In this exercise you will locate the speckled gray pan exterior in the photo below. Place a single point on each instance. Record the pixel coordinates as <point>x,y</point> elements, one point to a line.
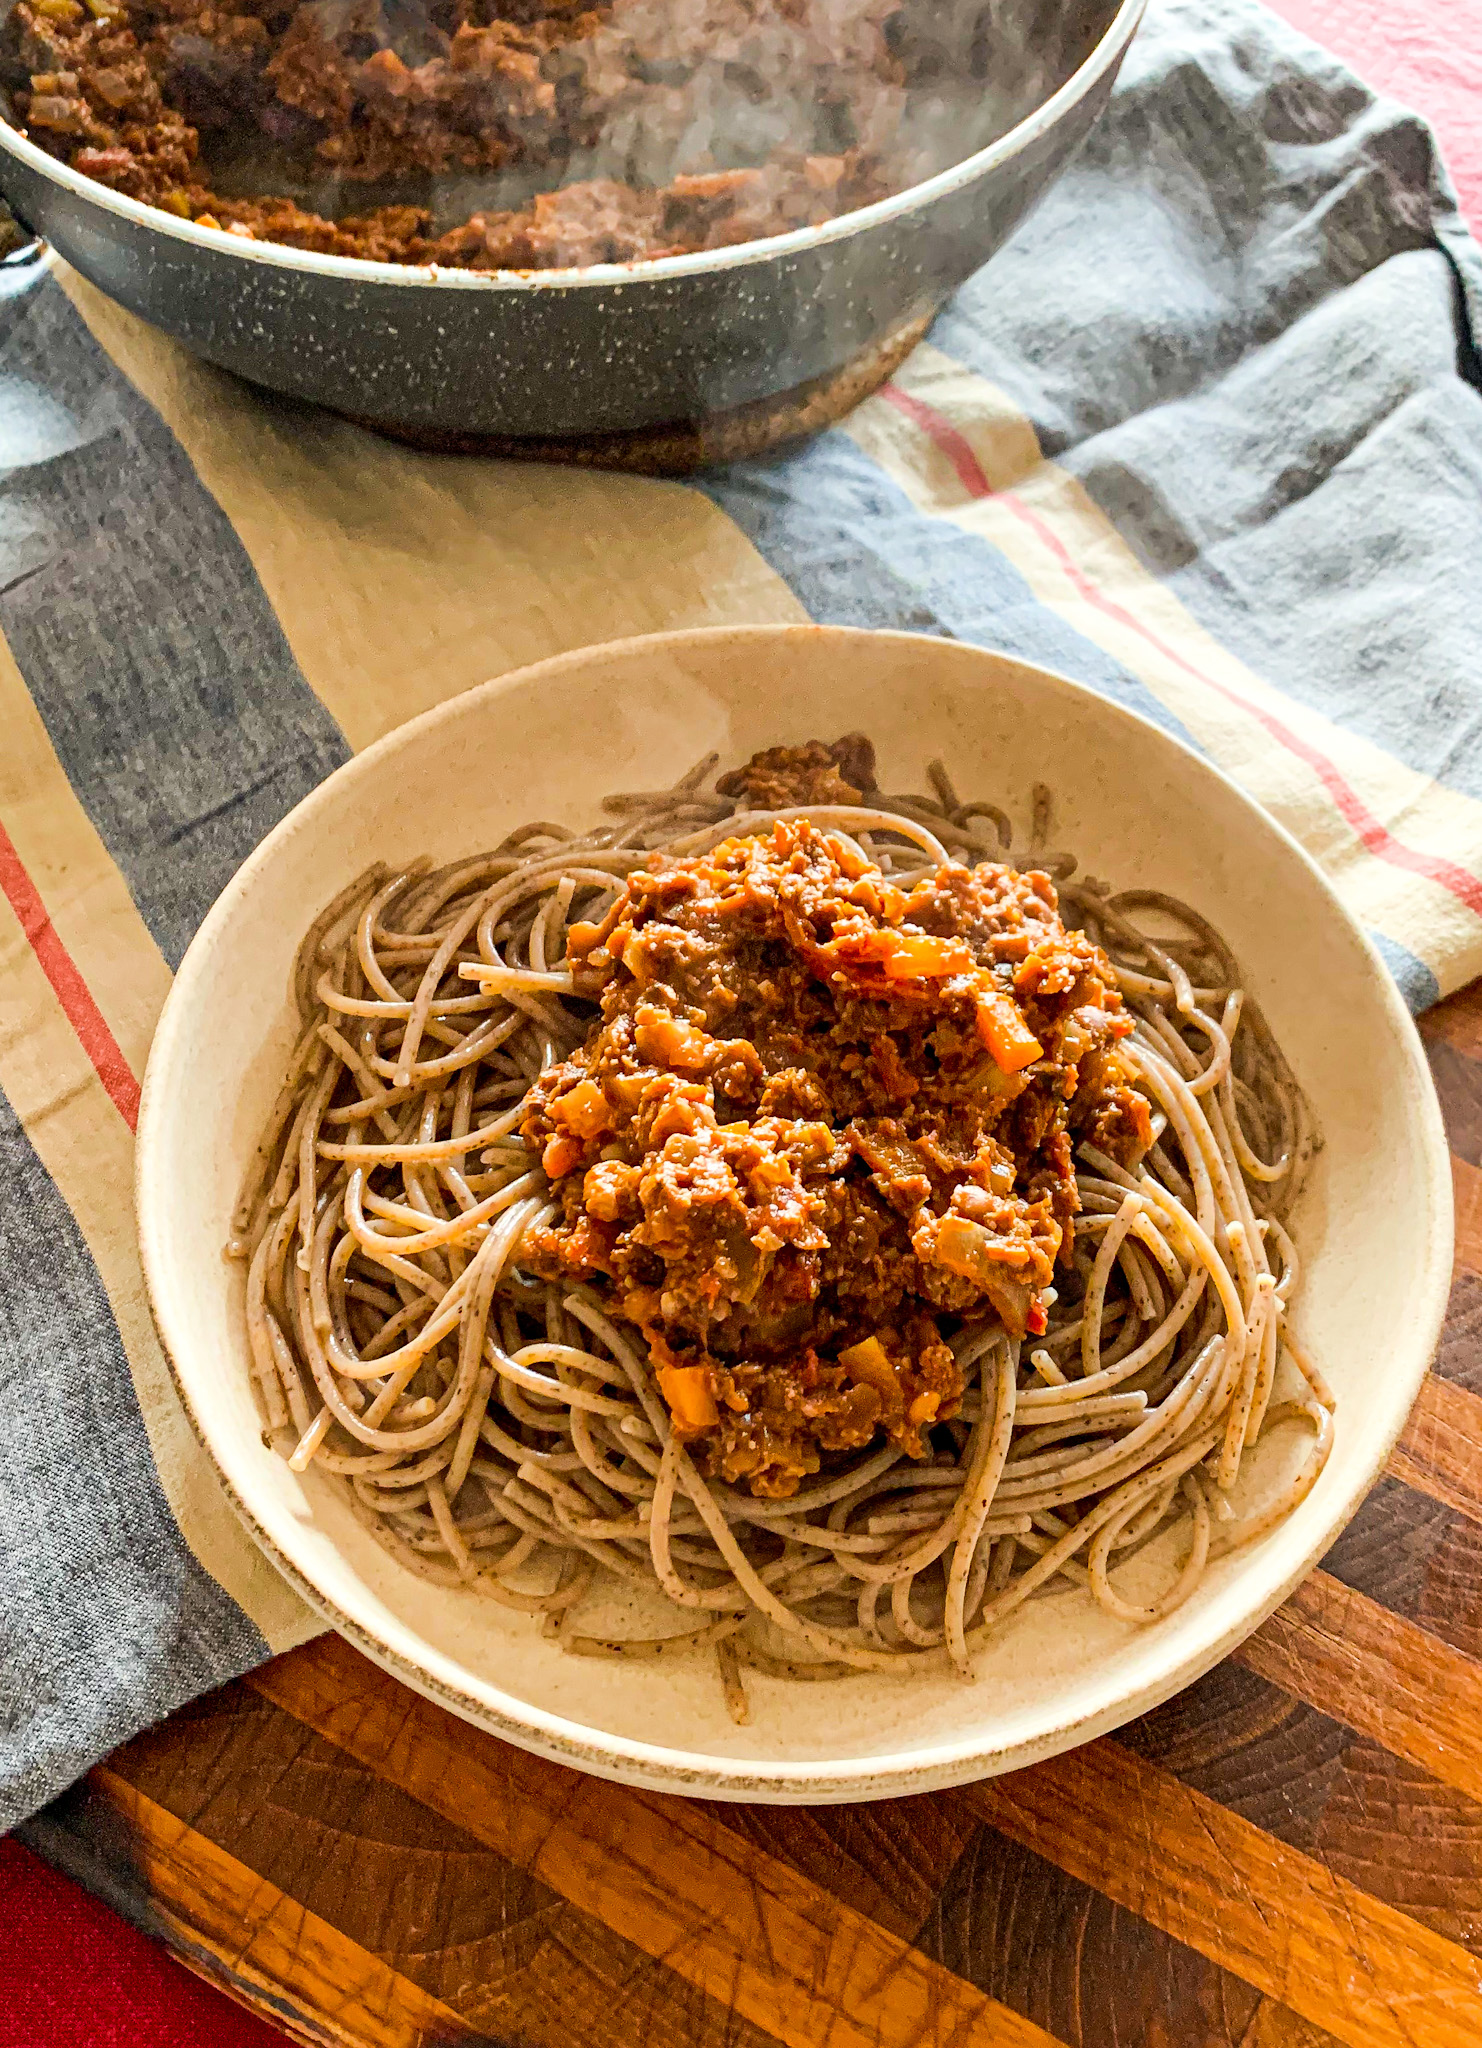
<point>602,350</point>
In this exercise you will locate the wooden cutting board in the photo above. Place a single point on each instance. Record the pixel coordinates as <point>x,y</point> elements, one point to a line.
<point>1288,1855</point>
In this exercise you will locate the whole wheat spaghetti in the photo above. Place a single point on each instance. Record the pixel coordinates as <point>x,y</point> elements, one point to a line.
<point>519,1434</point>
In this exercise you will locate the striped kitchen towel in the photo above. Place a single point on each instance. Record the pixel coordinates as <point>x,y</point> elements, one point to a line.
<point>1207,435</point>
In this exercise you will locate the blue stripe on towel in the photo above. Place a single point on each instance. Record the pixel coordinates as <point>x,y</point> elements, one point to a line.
<point>1261,378</point>
<point>1417,984</point>
<point>110,1623</point>
<point>857,552</point>
<point>145,639</point>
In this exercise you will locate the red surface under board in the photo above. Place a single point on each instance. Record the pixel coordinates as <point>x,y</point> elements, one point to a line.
<point>73,1975</point>
<point>1425,53</point>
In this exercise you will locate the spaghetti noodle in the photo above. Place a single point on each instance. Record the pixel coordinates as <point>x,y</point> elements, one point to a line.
<point>507,1432</point>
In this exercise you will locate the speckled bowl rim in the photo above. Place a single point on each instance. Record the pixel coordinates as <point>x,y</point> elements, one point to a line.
<point>660,1767</point>
<point>1108,52</point>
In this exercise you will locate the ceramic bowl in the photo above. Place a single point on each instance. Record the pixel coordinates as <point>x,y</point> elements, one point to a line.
<point>1374,1225</point>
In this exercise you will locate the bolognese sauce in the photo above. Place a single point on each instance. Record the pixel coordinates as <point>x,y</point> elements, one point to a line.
<point>823,1116</point>
<point>144,96</point>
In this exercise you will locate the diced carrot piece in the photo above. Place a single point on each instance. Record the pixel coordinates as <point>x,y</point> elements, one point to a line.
<point>1004,1032</point>
<point>918,956</point>
<point>851,864</point>
<point>560,1155</point>
<point>691,1399</point>
<point>859,945</point>
<point>669,1041</point>
<point>583,1109</point>
<point>681,1114</point>
<point>769,1171</point>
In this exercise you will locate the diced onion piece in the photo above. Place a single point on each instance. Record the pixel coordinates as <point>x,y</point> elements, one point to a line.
<point>1008,1038</point>
<point>58,111</point>
<point>869,1363</point>
<point>965,1247</point>
<point>686,1388</point>
<point>992,1263</point>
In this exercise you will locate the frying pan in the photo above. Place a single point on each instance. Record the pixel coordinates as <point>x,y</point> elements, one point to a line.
<point>611,348</point>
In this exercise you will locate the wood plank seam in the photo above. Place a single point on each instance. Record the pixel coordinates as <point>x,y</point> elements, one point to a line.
<point>271,2007</point>
<point>1056,1948</point>
<point>1277,2026</point>
<point>248,1937</point>
<point>1269,1914</point>
<point>600,1847</point>
<point>1379,1674</point>
<point>663,1873</point>
<point>1466,1183</point>
<point>1440,1452</point>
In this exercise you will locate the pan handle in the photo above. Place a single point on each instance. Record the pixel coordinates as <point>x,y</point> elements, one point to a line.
<point>27,249</point>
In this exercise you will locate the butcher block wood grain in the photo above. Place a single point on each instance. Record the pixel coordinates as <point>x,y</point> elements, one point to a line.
<point>1287,1855</point>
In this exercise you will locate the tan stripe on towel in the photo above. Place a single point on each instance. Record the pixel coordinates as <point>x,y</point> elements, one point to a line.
<point>78,1132</point>
<point>1075,561</point>
<point>401,579</point>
